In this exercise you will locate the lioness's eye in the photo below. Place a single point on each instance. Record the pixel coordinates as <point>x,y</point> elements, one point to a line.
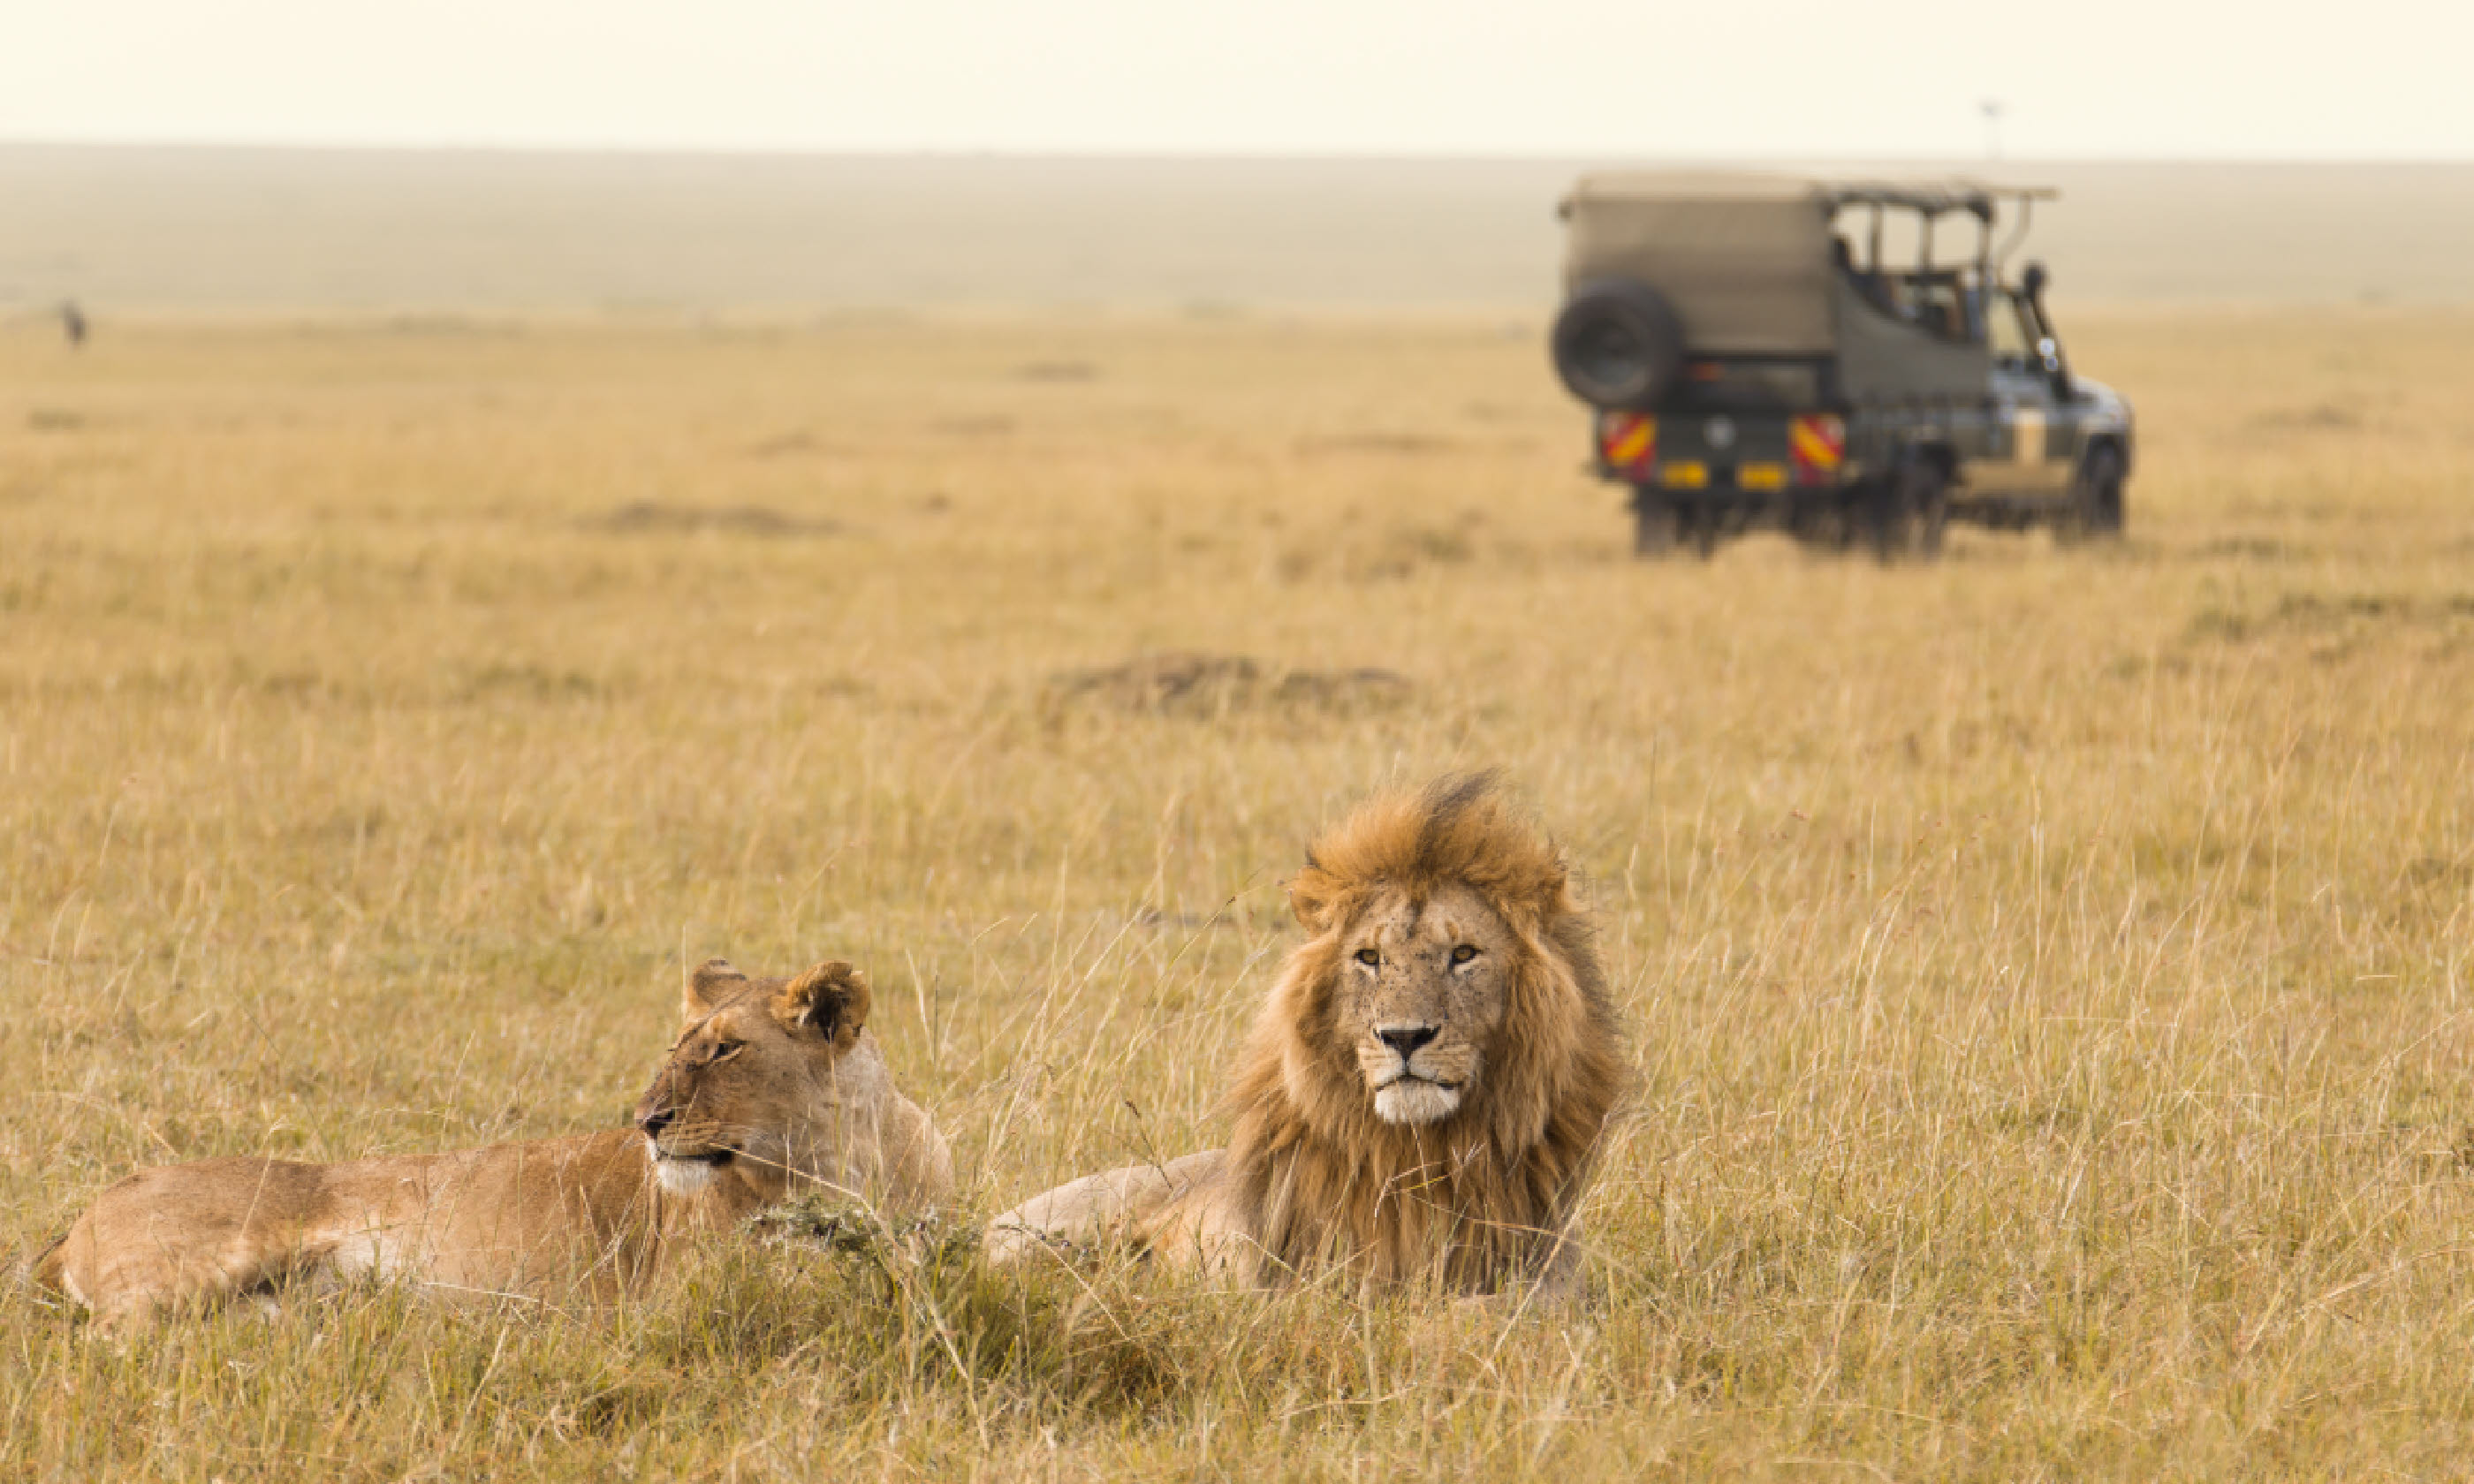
<point>724,1050</point>
<point>1463,953</point>
<point>1369,956</point>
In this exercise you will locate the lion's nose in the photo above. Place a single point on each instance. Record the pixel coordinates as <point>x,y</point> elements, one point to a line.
<point>660,1118</point>
<point>1406,1040</point>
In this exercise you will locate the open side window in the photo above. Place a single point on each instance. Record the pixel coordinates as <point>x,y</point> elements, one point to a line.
<point>1946,303</point>
<point>1943,304</point>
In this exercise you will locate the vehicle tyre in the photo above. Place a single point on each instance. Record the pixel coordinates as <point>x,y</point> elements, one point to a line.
<point>1883,517</point>
<point>1929,502</point>
<point>1689,525</point>
<point>1696,523</point>
<point>1817,526</point>
<point>1906,514</point>
<point>1619,345</point>
<point>2095,496</point>
<point>1656,524</point>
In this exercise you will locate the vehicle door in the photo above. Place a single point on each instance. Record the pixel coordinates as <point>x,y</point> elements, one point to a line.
<point>2035,435</point>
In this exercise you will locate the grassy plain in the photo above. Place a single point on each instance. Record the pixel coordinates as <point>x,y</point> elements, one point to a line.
<point>2048,969</point>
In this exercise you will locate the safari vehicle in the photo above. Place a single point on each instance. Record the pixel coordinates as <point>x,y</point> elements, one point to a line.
<point>1751,365</point>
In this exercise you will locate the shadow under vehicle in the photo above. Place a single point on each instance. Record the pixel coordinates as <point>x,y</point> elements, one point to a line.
<point>1751,365</point>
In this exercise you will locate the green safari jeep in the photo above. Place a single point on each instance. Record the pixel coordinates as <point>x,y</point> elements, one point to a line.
<point>1750,364</point>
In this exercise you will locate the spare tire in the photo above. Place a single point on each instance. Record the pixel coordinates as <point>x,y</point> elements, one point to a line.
<point>1619,345</point>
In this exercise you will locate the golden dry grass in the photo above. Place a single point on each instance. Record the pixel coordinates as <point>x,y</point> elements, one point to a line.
<point>2047,969</point>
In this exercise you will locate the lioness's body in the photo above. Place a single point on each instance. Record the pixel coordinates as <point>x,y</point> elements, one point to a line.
<point>813,1105</point>
<point>1422,1094</point>
<point>510,1219</point>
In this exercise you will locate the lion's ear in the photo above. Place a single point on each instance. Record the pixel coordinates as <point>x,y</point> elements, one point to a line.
<point>712,981</point>
<point>831,999</point>
<point>1314,907</point>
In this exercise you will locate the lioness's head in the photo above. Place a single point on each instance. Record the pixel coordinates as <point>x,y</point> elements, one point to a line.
<point>1444,946</point>
<point>757,1073</point>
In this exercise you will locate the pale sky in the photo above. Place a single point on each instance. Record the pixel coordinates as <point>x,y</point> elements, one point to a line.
<point>1595,78</point>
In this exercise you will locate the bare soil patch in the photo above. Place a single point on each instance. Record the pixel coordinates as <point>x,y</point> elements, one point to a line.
<point>1186,684</point>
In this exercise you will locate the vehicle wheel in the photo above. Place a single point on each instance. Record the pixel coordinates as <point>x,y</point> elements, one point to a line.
<point>1818,526</point>
<point>1619,345</point>
<point>1906,514</point>
<point>1928,499</point>
<point>2096,497</point>
<point>1697,524</point>
<point>1885,518</point>
<point>1656,525</point>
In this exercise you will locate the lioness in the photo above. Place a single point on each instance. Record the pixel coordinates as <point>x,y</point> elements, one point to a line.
<point>771,1085</point>
<point>1423,1089</point>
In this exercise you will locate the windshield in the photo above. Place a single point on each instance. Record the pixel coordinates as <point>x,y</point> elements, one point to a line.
<point>2012,332</point>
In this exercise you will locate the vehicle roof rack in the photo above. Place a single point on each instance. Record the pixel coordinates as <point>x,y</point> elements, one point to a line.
<point>1934,197</point>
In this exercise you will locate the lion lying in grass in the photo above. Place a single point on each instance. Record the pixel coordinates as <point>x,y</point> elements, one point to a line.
<point>770,1087</point>
<point>1423,1091</point>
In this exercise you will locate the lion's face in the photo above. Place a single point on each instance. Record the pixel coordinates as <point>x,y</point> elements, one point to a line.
<point>755,1067</point>
<point>1422,991</point>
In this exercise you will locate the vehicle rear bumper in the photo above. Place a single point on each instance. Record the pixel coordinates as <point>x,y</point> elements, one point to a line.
<point>1724,483</point>
<point>1723,457</point>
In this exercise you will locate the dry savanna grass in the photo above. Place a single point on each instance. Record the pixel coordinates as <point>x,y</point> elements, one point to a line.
<point>2046,969</point>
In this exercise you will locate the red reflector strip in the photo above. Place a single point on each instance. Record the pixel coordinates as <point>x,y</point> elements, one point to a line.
<point>1818,443</point>
<point>1628,440</point>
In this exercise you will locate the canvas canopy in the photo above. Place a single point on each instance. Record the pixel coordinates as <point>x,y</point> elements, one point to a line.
<point>1744,258</point>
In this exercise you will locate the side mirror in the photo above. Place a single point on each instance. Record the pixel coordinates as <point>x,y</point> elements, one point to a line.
<point>2031,286</point>
<point>2049,351</point>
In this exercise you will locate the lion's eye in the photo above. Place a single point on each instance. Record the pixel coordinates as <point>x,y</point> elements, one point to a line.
<point>1369,957</point>
<point>1463,953</point>
<point>724,1050</point>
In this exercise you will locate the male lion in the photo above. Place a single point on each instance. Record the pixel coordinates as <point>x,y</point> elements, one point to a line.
<point>772,1084</point>
<point>1423,1091</point>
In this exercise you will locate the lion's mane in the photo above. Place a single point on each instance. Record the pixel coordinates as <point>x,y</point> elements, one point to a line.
<point>1482,1197</point>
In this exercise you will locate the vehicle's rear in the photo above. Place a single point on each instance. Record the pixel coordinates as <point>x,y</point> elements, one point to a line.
<point>1754,428</point>
<point>1698,321</point>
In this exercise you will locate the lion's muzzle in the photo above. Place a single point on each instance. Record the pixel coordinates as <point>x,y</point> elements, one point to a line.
<point>1413,1081</point>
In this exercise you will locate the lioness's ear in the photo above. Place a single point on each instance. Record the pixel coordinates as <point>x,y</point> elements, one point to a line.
<point>712,981</point>
<point>830,999</point>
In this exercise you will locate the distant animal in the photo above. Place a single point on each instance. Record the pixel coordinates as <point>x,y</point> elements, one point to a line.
<point>72,324</point>
<point>773,1086</point>
<point>1422,1095</point>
